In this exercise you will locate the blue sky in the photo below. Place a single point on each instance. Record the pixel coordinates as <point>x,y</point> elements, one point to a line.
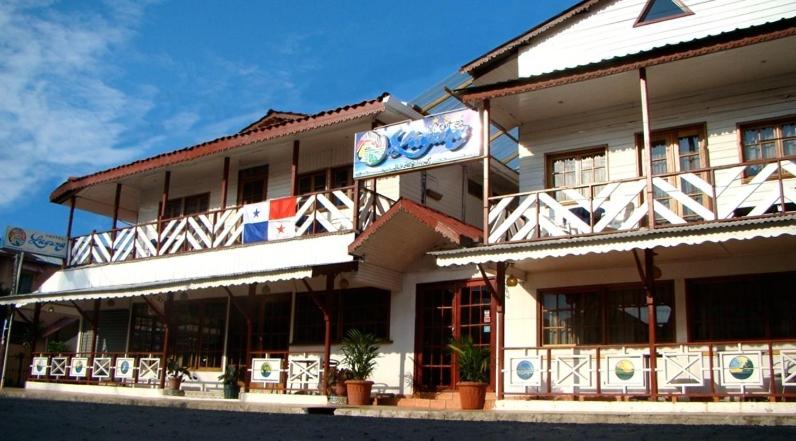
<point>87,85</point>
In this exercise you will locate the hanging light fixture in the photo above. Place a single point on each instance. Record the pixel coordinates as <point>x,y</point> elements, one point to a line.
<point>512,280</point>
<point>50,309</point>
<point>344,283</point>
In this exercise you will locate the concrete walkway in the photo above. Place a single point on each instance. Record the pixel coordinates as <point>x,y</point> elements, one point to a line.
<point>771,419</point>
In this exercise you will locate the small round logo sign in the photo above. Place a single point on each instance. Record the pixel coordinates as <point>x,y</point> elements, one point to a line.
<point>741,368</point>
<point>125,367</point>
<point>624,369</point>
<point>17,237</point>
<point>39,366</point>
<point>78,366</point>
<point>525,370</point>
<point>265,370</point>
<point>372,149</point>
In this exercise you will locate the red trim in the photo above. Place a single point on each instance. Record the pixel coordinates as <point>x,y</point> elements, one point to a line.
<point>448,227</point>
<point>318,120</point>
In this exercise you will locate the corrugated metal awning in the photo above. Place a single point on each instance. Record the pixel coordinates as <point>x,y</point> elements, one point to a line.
<point>158,288</point>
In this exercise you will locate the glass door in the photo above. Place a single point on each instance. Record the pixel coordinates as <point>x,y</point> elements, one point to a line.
<point>445,312</point>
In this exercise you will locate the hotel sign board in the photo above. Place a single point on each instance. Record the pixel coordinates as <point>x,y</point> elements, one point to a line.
<point>432,141</point>
<point>31,241</point>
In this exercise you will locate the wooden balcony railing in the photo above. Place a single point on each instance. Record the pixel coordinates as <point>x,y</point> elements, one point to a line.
<point>751,189</point>
<point>316,213</point>
<point>744,369</point>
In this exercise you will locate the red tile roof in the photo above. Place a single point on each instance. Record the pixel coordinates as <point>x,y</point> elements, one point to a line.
<point>269,132</point>
<point>273,117</point>
<point>448,227</point>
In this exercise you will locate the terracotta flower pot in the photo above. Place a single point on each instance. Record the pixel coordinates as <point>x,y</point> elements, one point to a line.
<point>472,394</point>
<point>340,389</point>
<point>359,392</point>
<point>173,383</point>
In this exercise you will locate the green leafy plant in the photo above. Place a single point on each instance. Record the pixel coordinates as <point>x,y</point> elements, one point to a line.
<point>56,346</point>
<point>359,353</point>
<point>175,370</point>
<point>473,361</point>
<point>232,374</point>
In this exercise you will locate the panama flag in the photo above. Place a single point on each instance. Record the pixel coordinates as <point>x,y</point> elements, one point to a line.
<point>270,220</point>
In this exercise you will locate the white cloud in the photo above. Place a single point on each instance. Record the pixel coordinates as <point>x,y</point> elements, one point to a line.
<point>59,113</point>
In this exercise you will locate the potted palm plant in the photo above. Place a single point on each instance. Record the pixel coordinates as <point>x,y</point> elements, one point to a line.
<point>473,366</point>
<point>359,354</point>
<point>231,376</point>
<point>176,373</point>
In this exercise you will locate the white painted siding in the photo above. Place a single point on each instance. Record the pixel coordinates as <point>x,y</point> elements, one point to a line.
<point>608,32</point>
<point>720,108</point>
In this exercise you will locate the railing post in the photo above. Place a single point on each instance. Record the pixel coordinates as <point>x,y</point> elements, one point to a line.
<point>538,213</point>
<point>591,208</point>
<point>772,390</point>
<point>92,244</point>
<point>599,386</point>
<point>549,374</point>
<point>710,372</point>
<point>715,204</point>
<point>781,187</point>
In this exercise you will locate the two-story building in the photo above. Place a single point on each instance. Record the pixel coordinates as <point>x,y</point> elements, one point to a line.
<point>183,274</point>
<point>642,248</point>
<point>656,204</point>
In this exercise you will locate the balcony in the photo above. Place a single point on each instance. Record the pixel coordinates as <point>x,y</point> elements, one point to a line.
<point>748,190</point>
<point>343,209</point>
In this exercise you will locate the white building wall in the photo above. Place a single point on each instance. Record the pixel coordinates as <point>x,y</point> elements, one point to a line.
<point>720,108</point>
<point>608,31</point>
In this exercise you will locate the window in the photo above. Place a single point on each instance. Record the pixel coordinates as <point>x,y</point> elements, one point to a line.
<point>742,308</point>
<point>677,150</point>
<point>146,333</point>
<point>660,10</point>
<point>769,140</point>
<point>253,185</point>
<point>576,169</point>
<point>187,205</point>
<point>366,309</point>
<point>326,179</point>
<point>198,336</point>
<point>615,314</point>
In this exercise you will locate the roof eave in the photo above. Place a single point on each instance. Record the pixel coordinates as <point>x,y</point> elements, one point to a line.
<point>322,119</point>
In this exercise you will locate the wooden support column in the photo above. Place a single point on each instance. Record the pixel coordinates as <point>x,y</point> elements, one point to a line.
<point>94,330</point>
<point>167,307</point>
<point>225,183</point>
<point>323,305</point>
<point>500,324</point>
<point>327,329</point>
<point>244,311</point>
<point>69,230</point>
<point>646,134</point>
<point>357,205</point>
<point>497,291</point>
<point>647,275</point>
<point>164,200</point>
<point>117,198</point>
<point>294,169</point>
<point>36,317</point>
<point>487,190</point>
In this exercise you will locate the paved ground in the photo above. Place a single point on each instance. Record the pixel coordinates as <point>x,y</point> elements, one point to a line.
<point>27,419</point>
